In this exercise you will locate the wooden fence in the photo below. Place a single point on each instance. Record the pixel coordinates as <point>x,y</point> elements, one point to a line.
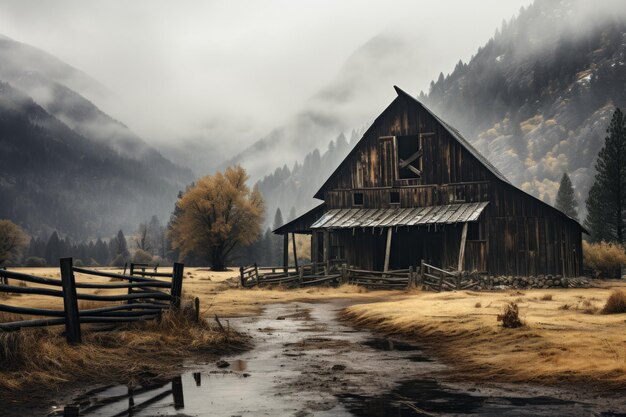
<point>427,277</point>
<point>145,299</point>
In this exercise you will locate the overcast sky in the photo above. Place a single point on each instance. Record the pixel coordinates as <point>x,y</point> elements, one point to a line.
<point>179,66</point>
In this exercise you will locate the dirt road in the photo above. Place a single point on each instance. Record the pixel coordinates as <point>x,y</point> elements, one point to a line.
<point>305,362</point>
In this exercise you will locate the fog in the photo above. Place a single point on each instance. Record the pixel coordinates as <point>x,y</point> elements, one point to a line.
<point>227,72</point>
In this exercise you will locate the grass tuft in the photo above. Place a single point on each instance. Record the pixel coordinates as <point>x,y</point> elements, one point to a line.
<point>510,317</point>
<point>616,304</point>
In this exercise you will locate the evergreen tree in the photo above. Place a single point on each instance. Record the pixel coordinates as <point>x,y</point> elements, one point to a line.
<point>606,204</point>
<point>118,246</point>
<point>292,214</point>
<point>277,240</point>
<point>565,200</point>
<point>53,249</point>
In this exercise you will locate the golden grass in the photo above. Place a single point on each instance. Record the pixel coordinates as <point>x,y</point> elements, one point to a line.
<point>606,258</point>
<point>41,358</point>
<point>557,345</point>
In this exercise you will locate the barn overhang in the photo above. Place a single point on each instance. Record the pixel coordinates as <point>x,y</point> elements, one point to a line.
<point>396,217</point>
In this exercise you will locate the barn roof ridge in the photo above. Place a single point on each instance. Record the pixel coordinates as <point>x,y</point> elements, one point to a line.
<point>458,137</point>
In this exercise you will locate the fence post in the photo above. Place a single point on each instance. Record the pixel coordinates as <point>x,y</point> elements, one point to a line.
<point>422,272</point>
<point>243,282</point>
<point>344,274</point>
<point>300,275</point>
<point>131,272</point>
<point>410,282</point>
<point>196,302</point>
<point>440,281</point>
<point>70,303</point>
<point>177,284</point>
<point>256,274</point>
<point>177,393</point>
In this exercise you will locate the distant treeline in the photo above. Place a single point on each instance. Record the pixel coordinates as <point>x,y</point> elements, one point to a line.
<point>147,245</point>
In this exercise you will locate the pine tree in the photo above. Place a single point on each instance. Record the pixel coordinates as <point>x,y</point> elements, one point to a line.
<point>565,200</point>
<point>277,240</point>
<point>606,204</point>
<point>53,249</point>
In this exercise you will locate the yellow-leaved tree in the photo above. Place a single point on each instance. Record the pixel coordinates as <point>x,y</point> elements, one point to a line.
<point>216,215</point>
<point>12,241</point>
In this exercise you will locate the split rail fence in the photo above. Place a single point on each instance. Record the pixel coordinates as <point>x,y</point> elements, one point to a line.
<point>425,276</point>
<point>146,297</point>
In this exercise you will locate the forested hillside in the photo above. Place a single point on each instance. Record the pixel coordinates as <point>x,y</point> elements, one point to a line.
<point>65,165</point>
<point>535,100</point>
<point>292,189</point>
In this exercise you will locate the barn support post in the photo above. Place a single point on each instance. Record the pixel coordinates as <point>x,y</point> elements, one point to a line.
<point>314,251</point>
<point>70,302</point>
<point>295,253</point>
<point>326,252</point>
<point>388,249</point>
<point>462,247</point>
<point>285,252</point>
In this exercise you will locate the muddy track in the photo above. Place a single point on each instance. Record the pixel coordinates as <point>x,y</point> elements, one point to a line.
<point>305,362</point>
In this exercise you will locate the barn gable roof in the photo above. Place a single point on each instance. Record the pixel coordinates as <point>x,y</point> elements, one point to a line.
<point>456,135</point>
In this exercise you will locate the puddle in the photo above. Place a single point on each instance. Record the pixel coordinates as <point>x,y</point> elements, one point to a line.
<point>307,363</point>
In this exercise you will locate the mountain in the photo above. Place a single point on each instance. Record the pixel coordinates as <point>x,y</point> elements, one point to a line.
<point>64,163</point>
<point>535,100</point>
<point>349,101</point>
<point>537,97</point>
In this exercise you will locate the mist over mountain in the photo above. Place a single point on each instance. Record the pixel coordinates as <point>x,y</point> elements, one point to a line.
<point>65,164</point>
<point>535,100</point>
<point>360,90</point>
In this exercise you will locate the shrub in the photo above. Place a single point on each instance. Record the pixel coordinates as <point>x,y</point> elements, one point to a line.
<point>119,261</point>
<point>616,304</point>
<point>35,262</point>
<point>510,317</point>
<point>547,297</point>
<point>478,305</point>
<point>142,257</point>
<point>606,259</point>
<point>78,263</point>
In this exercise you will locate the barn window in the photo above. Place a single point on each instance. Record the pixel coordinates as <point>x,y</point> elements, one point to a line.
<point>394,197</point>
<point>357,199</point>
<point>409,156</point>
<point>475,231</point>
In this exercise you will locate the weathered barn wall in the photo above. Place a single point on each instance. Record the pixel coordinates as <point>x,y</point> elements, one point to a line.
<point>519,235</point>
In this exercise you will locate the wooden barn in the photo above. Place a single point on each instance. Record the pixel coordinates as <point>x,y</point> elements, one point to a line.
<point>414,189</point>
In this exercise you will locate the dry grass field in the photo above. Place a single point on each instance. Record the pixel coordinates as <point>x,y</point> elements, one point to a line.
<point>565,338</point>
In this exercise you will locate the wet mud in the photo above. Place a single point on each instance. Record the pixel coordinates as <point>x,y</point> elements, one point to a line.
<point>307,363</point>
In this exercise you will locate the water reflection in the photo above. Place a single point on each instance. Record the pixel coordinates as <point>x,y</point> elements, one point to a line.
<point>133,401</point>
